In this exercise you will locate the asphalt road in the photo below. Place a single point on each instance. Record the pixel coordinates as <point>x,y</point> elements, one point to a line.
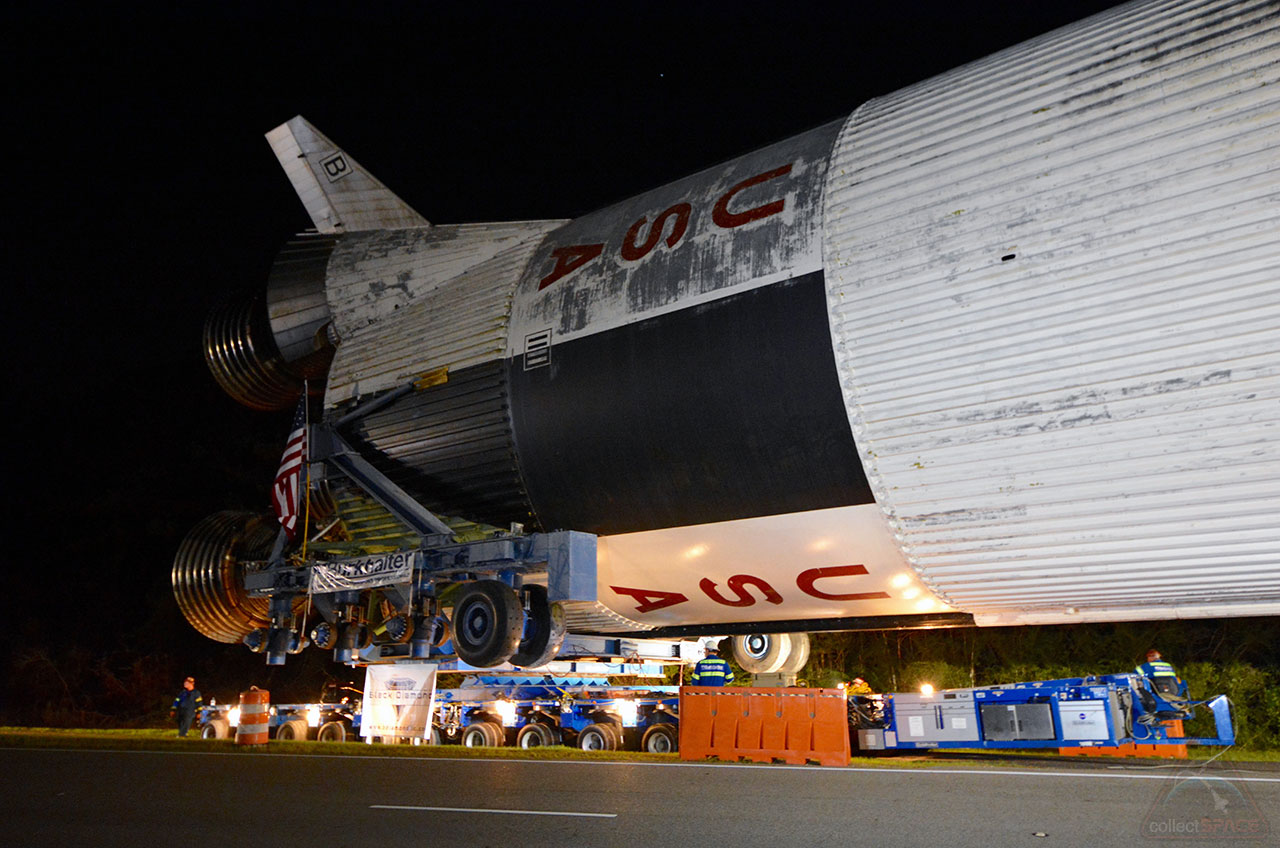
<point>110,798</point>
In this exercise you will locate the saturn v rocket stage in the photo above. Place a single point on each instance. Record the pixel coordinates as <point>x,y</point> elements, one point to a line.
<point>1002,347</point>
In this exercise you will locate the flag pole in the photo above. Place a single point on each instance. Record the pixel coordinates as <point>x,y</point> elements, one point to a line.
<point>306,513</point>
<point>306,460</point>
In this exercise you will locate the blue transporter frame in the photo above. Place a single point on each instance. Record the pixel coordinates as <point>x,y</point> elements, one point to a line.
<point>510,583</point>
<point>590,713</point>
<point>1101,711</point>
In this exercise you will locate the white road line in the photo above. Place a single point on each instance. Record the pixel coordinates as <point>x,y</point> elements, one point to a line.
<point>503,812</point>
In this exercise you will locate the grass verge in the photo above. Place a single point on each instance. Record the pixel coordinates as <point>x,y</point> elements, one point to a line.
<point>168,740</point>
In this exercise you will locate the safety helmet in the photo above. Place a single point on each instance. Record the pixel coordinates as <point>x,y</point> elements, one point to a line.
<point>858,680</point>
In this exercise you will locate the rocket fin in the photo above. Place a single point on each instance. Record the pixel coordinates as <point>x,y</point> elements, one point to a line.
<point>338,194</point>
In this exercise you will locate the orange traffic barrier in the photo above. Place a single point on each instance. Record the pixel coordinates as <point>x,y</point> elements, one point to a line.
<point>1135,749</point>
<point>764,725</point>
<point>252,727</point>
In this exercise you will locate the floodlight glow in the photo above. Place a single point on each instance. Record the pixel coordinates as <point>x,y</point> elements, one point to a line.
<point>628,711</point>
<point>233,716</point>
<point>313,716</point>
<point>506,710</point>
<point>927,690</point>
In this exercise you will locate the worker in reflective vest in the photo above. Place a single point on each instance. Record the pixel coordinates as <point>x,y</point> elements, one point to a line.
<point>712,671</point>
<point>859,687</point>
<point>185,705</point>
<point>1161,674</point>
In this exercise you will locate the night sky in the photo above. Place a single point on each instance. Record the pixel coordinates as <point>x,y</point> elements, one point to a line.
<point>146,194</point>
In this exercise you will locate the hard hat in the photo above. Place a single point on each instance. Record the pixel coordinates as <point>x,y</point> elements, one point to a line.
<point>858,680</point>
<point>1153,654</point>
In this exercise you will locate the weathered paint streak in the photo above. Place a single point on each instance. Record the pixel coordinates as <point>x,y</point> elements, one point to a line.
<point>455,314</point>
<point>750,222</point>
<point>373,274</point>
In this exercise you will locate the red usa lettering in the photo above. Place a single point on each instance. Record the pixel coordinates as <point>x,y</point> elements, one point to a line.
<point>807,581</point>
<point>565,260</point>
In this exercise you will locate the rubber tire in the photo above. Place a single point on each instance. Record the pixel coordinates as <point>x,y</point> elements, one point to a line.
<point>598,737</point>
<point>799,656</point>
<point>292,730</point>
<point>536,736</point>
<point>216,728</point>
<point>660,739</point>
<point>333,731</point>
<point>437,738</point>
<point>483,734</point>
<point>762,653</point>
<point>546,621</point>
<point>487,623</point>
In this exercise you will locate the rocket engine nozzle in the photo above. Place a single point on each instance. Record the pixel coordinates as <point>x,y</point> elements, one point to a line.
<point>208,578</point>
<point>262,348</point>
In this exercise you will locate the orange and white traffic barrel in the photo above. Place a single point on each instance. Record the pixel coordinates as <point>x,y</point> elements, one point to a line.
<point>254,706</point>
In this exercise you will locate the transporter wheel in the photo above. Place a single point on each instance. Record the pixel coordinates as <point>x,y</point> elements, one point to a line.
<point>598,737</point>
<point>487,623</point>
<point>799,655</point>
<point>333,731</point>
<point>437,738</point>
<point>762,653</point>
<point>483,734</point>
<point>536,736</point>
<point>543,630</point>
<point>217,728</point>
<point>293,730</point>
<point>660,739</point>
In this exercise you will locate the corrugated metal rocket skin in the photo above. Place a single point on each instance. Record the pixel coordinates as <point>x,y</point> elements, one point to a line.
<point>415,300</point>
<point>1053,290</point>
<point>1003,342</point>
<point>451,447</point>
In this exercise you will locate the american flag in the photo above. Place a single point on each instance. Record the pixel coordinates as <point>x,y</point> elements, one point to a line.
<point>284,495</point>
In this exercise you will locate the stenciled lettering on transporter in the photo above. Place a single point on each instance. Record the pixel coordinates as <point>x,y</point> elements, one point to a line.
<point>364,572</point>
